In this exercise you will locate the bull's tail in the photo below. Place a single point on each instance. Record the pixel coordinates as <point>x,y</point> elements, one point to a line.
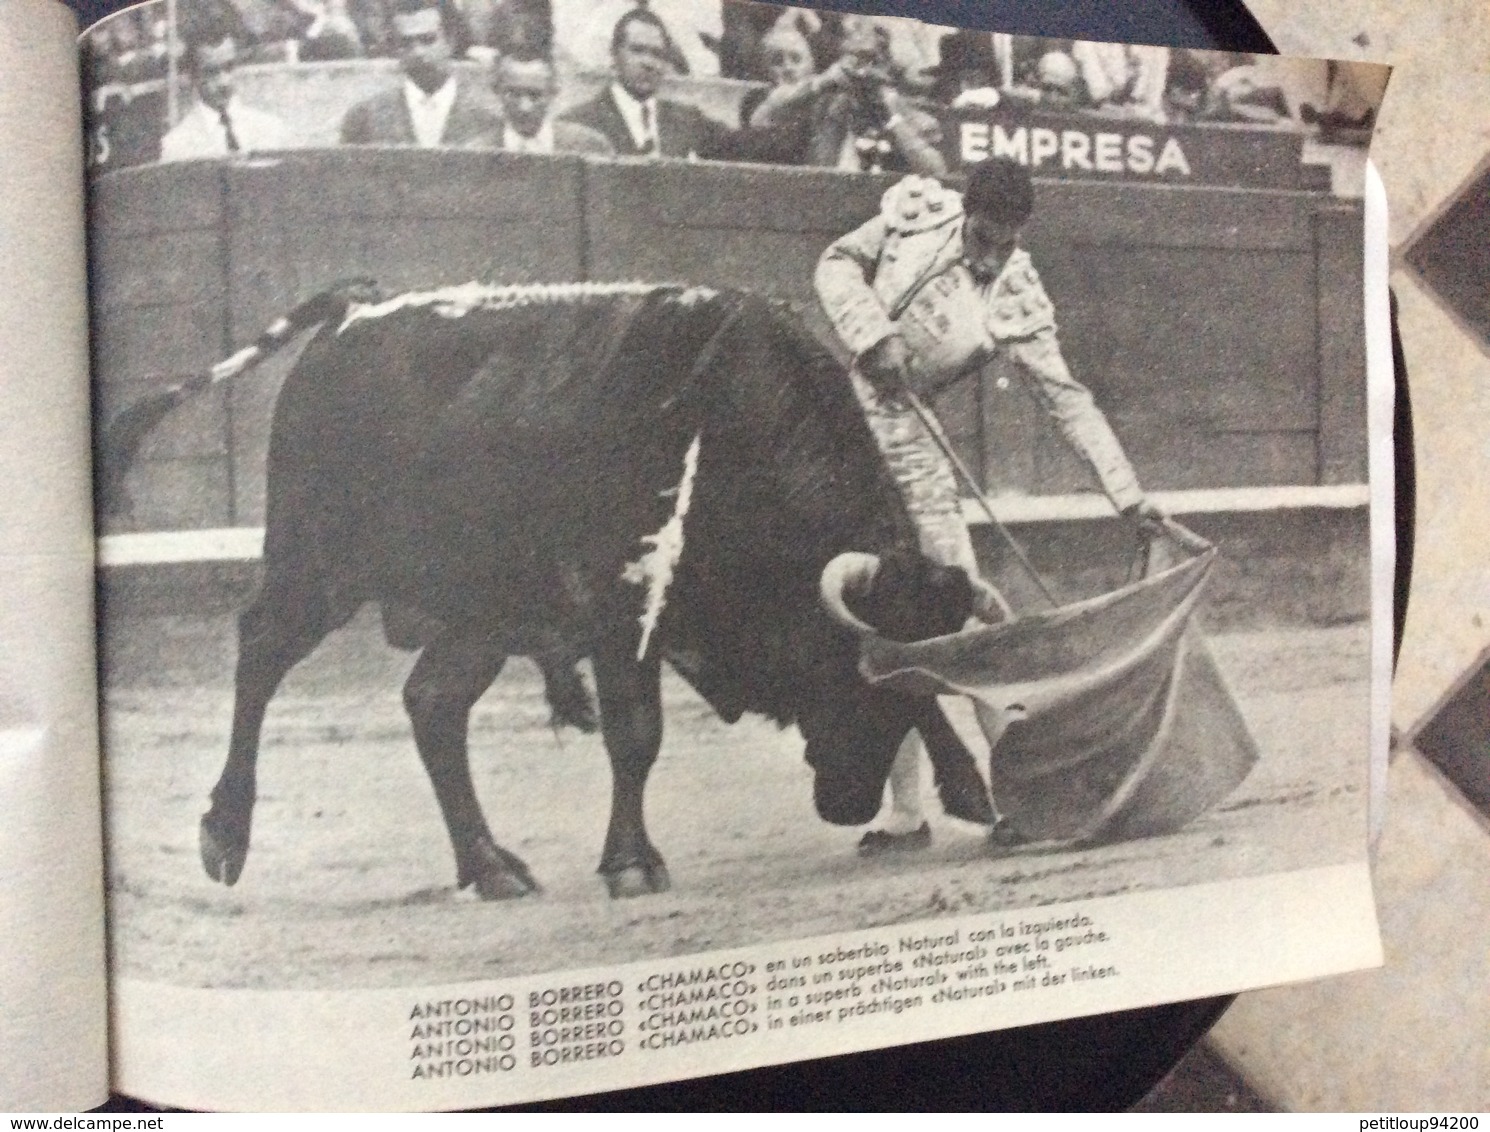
<point>127,431</point>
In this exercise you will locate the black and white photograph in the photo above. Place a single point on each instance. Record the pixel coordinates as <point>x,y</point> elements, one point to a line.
<point>583,484</point>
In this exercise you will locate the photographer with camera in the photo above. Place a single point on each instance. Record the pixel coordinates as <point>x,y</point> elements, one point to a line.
<point>852,115</point>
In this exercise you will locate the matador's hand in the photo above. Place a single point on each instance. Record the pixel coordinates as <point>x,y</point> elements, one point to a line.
<point>886,365</point>
<point>1146,518</point>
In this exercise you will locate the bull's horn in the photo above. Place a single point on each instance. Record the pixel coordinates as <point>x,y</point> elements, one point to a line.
<point>849,568</point>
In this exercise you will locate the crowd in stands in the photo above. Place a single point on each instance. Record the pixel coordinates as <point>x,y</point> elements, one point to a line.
<point>129,49</point>
<point>825,88</point>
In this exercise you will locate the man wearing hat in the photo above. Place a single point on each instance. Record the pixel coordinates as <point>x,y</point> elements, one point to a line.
<point>971,72</point>
<point>929,290</point>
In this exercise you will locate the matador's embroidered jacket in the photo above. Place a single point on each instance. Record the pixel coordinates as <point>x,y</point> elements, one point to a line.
<point>871,272</point>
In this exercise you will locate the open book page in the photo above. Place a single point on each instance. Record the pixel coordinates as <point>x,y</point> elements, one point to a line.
<point>53,1025</point>
<point>511,474</point>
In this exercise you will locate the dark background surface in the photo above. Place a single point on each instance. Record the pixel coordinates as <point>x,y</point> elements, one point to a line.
<point>1096,1064</point>
<point>1449,256</point>
<point>1457,739</point>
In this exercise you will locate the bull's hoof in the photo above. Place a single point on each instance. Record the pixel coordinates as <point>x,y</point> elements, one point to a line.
<point>637,880</point>
<point>496,874</point>
<point>502,886</point>
<point>879,842</point>
<point>223,849</point>
<point>1004,838</point>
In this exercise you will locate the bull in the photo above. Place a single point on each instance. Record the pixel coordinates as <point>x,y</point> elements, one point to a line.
<point>633,473</point>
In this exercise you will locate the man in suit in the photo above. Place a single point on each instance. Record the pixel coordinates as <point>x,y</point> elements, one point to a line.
<point>432,107</point>
<point>525,88</point>
<point>1124,79</point>
<point>218,123</point>
<point>629,113</point>
<point>850,116</point>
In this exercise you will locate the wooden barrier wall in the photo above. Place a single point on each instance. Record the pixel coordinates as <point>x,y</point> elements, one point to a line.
<point>1220,329</point>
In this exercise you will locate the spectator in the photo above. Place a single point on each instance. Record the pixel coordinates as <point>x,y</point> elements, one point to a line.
<point>787,54</point>
<point>778,123</point>
<point>1247,93</point>
<point>1223,86</point>
<point>629,113</point>
<point>122,51</point>
<point>218,123</point>
<point>1124,79</point>
<point>508,27</point>
<point>526,87</point>
<point>866,123</point>
<point>1054,84</point>
<point>1188,83</point>
<point>432,107</point>
<point>1025,53</point>
<point>743,49</point>
<point>744,24</point>
<point>264,30</point>
<point>373,20</point>
<point>328,31</point>
<point>912,46</point>
<point>1353,93</point>
<point>245,20</point>
<point>849,116</point>
<point>967,74</point>
<point>691,29</point>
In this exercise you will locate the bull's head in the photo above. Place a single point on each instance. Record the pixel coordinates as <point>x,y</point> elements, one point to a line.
<point>852,728</point>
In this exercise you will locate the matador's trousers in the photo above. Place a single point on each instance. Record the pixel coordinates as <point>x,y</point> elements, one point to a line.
<point>925,477</point>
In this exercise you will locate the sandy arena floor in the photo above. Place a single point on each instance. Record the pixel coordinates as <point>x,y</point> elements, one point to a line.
<point>350,882</point>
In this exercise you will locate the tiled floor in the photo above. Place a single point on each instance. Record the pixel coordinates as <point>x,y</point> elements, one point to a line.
<point>1414,1035</point>
<point>1456,739</point>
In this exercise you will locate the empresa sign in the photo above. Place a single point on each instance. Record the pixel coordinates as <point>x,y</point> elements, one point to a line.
<point>1078,146</point>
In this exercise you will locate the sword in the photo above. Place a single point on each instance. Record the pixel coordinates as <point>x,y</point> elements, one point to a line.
<point>935,429</point>
<point>1181,534</point>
